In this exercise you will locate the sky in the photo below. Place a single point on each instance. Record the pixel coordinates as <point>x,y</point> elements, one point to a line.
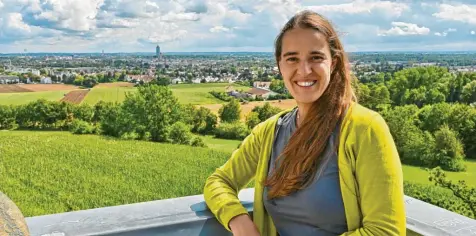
<point>229,25</point>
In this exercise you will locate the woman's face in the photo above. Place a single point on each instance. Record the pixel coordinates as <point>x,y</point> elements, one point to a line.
<point>305,64</point>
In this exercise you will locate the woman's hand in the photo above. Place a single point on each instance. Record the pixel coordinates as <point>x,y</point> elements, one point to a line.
<point>243,225</point>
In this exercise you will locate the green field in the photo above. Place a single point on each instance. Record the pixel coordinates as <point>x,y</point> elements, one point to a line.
<point>195,94</point>
<point>420,175</point>
<point>23,98</point>
<point>51,172</point>
<point>225,145</point>
<point>117,94</point>
<point>47,172</point>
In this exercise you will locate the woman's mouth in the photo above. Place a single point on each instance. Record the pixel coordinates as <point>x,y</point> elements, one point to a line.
<point>306,83</point>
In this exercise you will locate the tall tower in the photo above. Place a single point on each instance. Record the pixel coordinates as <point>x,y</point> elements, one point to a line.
<point>157,51</point>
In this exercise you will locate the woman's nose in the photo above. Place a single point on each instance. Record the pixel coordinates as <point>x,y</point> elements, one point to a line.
<point>304,68</point>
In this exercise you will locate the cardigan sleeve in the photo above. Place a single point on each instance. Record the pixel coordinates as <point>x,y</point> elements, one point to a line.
<point>379,178</point>
<point>222,187</point>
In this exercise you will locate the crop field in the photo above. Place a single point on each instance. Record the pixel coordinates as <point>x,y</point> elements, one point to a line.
<point>76,96</point>
<point>52,172</point>
<point>18,88</point>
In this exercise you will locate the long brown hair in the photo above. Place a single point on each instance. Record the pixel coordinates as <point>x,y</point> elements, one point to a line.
<point>300,158</point>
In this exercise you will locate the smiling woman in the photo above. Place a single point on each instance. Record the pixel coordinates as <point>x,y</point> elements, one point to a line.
<point>327,167</point>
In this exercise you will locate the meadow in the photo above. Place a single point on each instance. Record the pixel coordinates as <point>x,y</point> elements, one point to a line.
<point>52,172</point>
<point>26,97</point>
<point>48,172</point>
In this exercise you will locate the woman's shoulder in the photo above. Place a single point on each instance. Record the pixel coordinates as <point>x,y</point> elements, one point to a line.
<point>361,117</point>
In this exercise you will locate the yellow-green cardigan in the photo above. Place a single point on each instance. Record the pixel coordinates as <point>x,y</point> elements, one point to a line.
<point>370,176</point>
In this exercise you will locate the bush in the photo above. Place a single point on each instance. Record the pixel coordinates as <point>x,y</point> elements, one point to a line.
<point>197,141</point>
<point>236,130</point>
<point>81,127</point>
<point>230,112</point>
<point>83,112</point>
<point>252,120</point>
<point>180,133</point>
<point>43,114</point>
<point>449,150</point>
<point>7,118</point>
<point>266,111</point>
<point>437,196</point>
<point>221,95</point>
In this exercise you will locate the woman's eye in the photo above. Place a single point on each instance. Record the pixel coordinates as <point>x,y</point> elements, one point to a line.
<point>291,59</point>
<point>317,58</point>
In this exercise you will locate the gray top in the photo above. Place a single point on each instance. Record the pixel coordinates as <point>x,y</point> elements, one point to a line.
<point>317,210</point>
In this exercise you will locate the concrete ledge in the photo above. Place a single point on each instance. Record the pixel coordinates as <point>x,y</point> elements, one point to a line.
<point>190,216</point>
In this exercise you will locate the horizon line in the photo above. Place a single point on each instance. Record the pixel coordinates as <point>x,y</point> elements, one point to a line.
<point>174,52</point>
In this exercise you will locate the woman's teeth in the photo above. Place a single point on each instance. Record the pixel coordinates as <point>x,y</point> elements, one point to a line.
<point>306,84</point>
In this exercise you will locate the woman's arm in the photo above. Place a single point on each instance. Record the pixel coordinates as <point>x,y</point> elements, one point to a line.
<point>380,181</point>
<point>222,187</point>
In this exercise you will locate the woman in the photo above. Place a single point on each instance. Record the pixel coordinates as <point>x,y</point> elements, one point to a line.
<point>328,166</point>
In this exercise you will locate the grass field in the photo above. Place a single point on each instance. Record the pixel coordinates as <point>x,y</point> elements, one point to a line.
<point>419,175</point>
<point>48,172</point>
<point>51,172</point>
<point>117,94</point>
<point>195,94</point>
<point>23,98</point>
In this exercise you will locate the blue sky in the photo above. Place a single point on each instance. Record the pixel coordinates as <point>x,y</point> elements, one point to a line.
<point>229,25</point>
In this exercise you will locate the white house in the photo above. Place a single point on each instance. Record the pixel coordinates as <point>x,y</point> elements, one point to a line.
<point>9,79</point>
<point>262,85</point>
<point>46,80</point>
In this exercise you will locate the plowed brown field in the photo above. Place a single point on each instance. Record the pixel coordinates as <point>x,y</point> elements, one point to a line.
<point>76,96</point>
<point>20,88</point>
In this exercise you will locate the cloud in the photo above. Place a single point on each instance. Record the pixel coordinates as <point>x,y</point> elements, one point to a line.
<point>402,28</point>
<point>363,7</point>
<point>463,13</point>
<point>73,15</point>
<point>183,25</point>
<point>218,29</point>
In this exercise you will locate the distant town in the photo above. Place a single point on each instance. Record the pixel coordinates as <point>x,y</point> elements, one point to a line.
<point>252,69</point>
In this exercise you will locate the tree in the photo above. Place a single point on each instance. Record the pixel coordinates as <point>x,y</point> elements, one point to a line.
<point>150,111</point>
<point>252,120</point>
<point>460,189</point>
<point>230,112</point>
<point>468,94</point>
<point>180,133</point>
<point>277,86</point>
<point>432,117</point>
<point>449,150</point>
<point>463,120</point>
<point>266,111</point>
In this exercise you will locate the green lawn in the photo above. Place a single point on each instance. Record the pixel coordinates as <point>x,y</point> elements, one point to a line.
<point>420,175</point>
<point>52,172</point>
<point>195,94</point>
<point>23,98</point>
